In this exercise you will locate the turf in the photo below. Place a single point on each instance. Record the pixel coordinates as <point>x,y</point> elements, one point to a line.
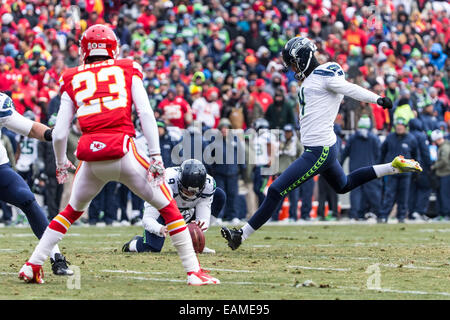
<point>278,262</point>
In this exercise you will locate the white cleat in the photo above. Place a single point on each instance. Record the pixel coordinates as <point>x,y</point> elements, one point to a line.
<point>31,273</point>
<point>200,278</point>
<point>208,250</point>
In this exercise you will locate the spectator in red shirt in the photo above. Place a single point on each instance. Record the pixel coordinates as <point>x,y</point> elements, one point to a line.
<point>147,19</point>
<point>176,110</point>
<point>355,36</point>
<point>263,98</point>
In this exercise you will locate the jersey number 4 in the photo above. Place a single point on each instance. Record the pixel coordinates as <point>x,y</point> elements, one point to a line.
<point>86,101</point>
<point>301,100</point>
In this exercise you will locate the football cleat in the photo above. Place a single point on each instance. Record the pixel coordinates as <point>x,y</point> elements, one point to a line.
<point>208,250</point>
<point>200,278</point>
<point>234,237</point>
<point>59,265</point>
<point>32,273</point>
<point>126,246</point>
<point>406,165</point>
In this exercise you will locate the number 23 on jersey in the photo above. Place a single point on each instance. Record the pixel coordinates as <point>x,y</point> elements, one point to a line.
<point>104,87</point>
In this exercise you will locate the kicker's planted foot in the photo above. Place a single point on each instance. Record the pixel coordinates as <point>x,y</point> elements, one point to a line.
<point>233,236</point>
<point>60,265</point>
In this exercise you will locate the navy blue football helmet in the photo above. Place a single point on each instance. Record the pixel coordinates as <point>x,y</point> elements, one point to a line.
<point>191,180</point>
<point>298,54</point>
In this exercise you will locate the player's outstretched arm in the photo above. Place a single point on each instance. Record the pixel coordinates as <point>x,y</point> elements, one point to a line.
<point>338,84</point>
<point>26,127</point>
<point>41,132</point>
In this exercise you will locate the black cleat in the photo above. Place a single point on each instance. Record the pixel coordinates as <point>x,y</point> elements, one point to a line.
<point>126,246</point>
<point>59,265</point>
<point>234,237</point>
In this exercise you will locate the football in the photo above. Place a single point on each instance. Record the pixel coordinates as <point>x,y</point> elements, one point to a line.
<point>198,238</point>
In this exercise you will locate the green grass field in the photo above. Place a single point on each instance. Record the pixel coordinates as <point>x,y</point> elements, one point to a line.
<point>412,261</point>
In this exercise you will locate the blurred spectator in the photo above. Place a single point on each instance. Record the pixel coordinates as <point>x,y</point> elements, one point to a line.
<point>226,171</point>
<point>442,169</point>
<point>279,112</point>
<point>53,190</point>
<point>290,150</point>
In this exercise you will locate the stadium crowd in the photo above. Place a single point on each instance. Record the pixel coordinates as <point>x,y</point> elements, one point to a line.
<point>215,65</point>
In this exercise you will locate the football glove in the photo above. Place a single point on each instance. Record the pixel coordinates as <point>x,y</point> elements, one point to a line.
<point>156,171</point>
<point>62,172</point>
<point>385,102</point>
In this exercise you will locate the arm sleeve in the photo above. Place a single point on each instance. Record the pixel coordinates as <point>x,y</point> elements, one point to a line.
<point>338,84</point>
<point>203,211</point>
<point>18,123</point>
<point>62,128</point>
<point>149,219</point>
<point>146,115</point>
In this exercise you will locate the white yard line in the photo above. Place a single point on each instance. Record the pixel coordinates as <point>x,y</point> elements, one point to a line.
<point>319,268</point>
<point>387,290</point>
<point>408,266</point>
<point>230,270</point>
<point>133,272</point>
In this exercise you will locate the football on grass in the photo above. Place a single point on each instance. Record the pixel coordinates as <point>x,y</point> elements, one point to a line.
<point>198,238</point>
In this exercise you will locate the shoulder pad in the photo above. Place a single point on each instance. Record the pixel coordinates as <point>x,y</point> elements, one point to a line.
<point>329,70</point>
<point>6,105</point>
<point>172,174</point>
<point>210,187</point>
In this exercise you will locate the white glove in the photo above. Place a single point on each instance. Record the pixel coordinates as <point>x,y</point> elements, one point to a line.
<point>62,172</point>
<point>156,171</point>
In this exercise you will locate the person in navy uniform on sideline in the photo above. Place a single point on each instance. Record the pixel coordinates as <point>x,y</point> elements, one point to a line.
<point>420,190</point>
<point>363,148</point>
<point>397,186</point>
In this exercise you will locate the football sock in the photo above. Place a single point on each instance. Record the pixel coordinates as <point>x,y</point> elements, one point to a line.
<point>49,239</point>
<point>385,169</point>
<point>38,222</point>
<point>180,236</point>
<point>247,230</point>
<point>53,234</point>
<point>133,245</point>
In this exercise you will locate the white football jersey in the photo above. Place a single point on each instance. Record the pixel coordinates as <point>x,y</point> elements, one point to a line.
<point>320,96</point>
<point>260,142</point>
<point>200,206</point>
<point>28,154</point>
<point>12,120</point>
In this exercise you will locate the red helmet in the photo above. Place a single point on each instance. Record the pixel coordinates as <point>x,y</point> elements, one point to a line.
<point>99,40</point>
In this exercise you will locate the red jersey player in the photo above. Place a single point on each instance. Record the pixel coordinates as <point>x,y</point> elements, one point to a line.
<point>101,93</point>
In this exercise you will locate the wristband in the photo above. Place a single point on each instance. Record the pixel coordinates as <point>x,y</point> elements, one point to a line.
<point>48,134</point>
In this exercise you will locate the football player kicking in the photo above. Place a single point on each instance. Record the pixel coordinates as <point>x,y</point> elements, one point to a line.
<point>197,198</point>
<point>101,93</point>
<point>14,190</point>
<point>320,94</point>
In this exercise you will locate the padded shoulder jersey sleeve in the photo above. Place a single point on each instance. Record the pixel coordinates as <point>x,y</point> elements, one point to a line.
<point>11,119</point>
